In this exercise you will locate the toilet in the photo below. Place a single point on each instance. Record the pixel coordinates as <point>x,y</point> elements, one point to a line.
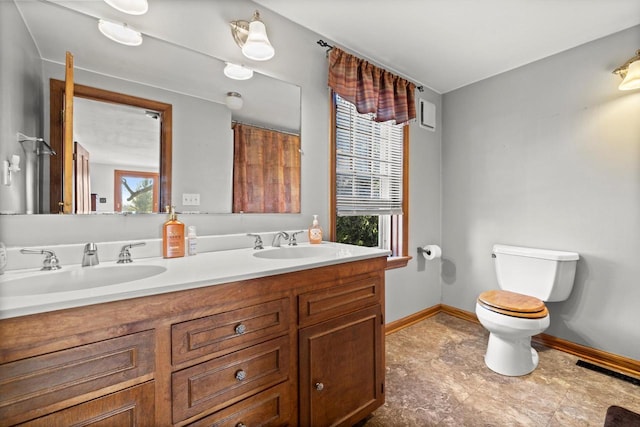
<point>527,277</point>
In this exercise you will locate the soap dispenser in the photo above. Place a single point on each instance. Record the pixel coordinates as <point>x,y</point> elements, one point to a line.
<point>172,236</point>
<point>315,232</point>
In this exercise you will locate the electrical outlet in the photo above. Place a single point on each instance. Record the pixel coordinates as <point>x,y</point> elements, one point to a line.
<point>190,199</point>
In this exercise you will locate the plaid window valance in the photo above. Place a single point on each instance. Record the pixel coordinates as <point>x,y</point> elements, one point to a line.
<point>371,89</point>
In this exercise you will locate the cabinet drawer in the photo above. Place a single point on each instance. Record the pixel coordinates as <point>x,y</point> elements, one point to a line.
<point>317,306</point>
<point>211,385</point>
<point>229,331</point>
<point>127,408</point>
<point>269,408</point>
<point>41,381</point>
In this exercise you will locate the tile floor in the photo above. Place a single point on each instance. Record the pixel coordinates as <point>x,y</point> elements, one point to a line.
<point>436,377</point>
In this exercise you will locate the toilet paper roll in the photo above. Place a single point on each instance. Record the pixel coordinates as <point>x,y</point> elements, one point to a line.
<point>430,252</point>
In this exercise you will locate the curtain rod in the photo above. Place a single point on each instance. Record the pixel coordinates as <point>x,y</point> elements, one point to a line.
<point>323,43</point>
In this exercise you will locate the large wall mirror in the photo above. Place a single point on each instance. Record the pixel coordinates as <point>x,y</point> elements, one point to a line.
<point>190,81</point>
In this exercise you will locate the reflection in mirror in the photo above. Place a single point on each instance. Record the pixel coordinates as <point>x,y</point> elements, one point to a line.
<point>117,132</point>
<point>189,79</point>
<point>122,145</point>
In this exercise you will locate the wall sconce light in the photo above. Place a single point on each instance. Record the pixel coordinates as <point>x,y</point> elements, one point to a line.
<point>237,72</point>
<point>252,38</point>
<point>630,73</point>
<point>132,7</point>
<point>120,33</point>
<point>233,100</point>
<point>9,167</point>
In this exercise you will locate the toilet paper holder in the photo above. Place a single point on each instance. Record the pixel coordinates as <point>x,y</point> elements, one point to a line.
<point>430,252</point>
<point>422,250</point>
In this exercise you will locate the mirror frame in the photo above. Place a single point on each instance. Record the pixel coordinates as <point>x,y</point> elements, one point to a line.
<point>61,180</point>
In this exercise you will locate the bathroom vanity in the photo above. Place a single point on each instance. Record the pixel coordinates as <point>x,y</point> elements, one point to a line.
<point>298,345</point>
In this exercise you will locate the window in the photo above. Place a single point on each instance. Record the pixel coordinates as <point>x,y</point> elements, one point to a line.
<point>369,181</point>
<point>136,191</point>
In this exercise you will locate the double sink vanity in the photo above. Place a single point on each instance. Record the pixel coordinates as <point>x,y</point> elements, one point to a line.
<point>240,337</point>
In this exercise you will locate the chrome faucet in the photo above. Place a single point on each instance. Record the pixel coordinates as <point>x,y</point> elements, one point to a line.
<point>257,244</point>
<point>276,238</point>
<point>125,254</point>
<point>292,238</point>
<point>90,256</point>
<point>50,262</point>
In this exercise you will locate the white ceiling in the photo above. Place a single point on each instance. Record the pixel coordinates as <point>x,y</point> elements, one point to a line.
<point>447,44</point>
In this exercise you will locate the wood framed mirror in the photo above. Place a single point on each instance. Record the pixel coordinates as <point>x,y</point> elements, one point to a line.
<point>61,175</point>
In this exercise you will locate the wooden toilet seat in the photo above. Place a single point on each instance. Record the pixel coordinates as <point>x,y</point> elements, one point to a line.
<point>513,304</point>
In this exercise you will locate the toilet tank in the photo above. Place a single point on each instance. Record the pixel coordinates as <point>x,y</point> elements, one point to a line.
<point>542,273</point>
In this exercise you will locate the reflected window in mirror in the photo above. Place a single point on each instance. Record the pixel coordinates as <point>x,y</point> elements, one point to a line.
<point>136,192</point>
<point>266,170</point>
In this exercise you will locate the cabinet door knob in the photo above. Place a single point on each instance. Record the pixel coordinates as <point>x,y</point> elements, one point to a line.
<point>240,329</point>
<point>241,424</point>
<point>241,375</point>
<point>319,386</point>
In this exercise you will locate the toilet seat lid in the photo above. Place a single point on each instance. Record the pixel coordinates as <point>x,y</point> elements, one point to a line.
<point>513,304</point>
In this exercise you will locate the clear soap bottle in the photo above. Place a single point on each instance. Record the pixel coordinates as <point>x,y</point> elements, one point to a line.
<point>192,240</point>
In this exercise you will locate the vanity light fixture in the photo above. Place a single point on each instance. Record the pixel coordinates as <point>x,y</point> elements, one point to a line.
<point>120,33</point>
<point>630,73</point>
<point>132,7</point>
<point>252,38</point>
<point>233,100</point>
<point>237,72</point>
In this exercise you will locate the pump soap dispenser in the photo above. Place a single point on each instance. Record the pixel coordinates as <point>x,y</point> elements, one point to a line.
<point>172,236</point>
<point>315,232</point>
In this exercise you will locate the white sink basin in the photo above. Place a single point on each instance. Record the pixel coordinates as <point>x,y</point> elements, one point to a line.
<point>295,252</point>
<point>77,279</point>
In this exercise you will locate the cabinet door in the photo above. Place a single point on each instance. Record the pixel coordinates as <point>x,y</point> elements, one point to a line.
<point>127,408</point>
<point>342,369</point>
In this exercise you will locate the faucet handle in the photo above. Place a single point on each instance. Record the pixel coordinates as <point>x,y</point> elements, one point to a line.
<point>125,255</point>
<point>292,238</point>
<point>258,242</point>
<point>51,261</point>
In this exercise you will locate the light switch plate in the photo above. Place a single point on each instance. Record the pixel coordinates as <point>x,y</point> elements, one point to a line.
<point>191,199</point>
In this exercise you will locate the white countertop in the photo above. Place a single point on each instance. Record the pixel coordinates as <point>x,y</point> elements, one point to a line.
<point>203,269</point>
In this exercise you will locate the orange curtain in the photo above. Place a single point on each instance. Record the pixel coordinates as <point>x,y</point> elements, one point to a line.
<point>266,170</point>
<point>371,89</point>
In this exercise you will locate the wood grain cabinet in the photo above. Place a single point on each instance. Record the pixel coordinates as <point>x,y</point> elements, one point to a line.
<point>342,358</point>
<point>302,348</point>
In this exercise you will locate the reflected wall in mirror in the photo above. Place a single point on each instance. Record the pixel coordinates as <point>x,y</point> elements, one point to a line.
<point>104,125</point>
<point>191,79</point>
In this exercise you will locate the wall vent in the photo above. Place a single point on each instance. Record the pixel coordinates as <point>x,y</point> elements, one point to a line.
<point>427,115</point>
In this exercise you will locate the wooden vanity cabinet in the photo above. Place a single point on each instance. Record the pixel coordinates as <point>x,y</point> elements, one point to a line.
<point>341,353</point>
<point>247,353</point>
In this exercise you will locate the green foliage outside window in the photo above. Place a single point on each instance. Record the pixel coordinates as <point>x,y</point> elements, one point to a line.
<point>357,230</point>
<point>142,202</point>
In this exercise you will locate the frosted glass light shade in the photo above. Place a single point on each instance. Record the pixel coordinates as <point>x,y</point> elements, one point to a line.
<point>234,100</point>
<point>632,79</point>
<point>257,46</point>
<point>132,7</point>
<point>237,72</point>
<point>120,33</point>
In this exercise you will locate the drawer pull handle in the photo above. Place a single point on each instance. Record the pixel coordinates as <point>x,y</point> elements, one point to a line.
<point>240,329</point>
<point>241,424</point>
<point>241,375</point>
<point>319,386</point>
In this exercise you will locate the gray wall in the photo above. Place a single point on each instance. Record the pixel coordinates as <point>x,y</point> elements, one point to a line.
<point>20,98</point>
<point>548,155</point>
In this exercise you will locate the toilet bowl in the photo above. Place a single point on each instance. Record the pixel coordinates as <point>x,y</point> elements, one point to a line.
<point>527,277</point>
<point>511,327</point>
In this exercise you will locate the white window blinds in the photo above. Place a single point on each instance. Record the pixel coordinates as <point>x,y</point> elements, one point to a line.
<point>368,163</point>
